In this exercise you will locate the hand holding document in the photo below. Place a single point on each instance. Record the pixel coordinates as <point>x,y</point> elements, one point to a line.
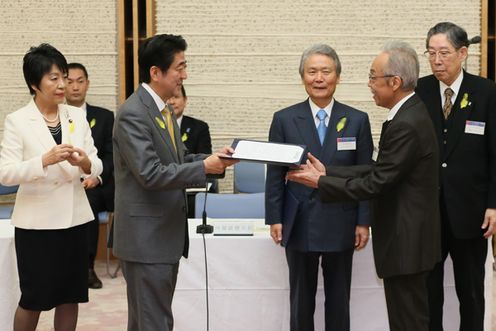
<point>267,152</point>
<point>309,173</point>
<point>216,163</point>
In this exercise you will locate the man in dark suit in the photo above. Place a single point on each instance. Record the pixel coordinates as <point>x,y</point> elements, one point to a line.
<point>463,109</point>
<point>151,174</point>
<point>315,230</point>
<point>195,136</point>
<point>403,186</point>
<point>100,191</point>
<point>194,133</point>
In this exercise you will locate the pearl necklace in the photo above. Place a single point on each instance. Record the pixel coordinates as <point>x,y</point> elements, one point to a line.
<point>53,120</point>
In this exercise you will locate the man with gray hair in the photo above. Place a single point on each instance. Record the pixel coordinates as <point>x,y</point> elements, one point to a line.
<point>463,109</point>
<point>309,229</point>
<point>402,184</point>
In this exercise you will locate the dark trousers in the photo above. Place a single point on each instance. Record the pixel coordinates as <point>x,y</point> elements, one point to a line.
<point>407,302</point>
<point>150,288</point>
<point>303,273</point>
<point>97,203</point>
<point>469,258</point>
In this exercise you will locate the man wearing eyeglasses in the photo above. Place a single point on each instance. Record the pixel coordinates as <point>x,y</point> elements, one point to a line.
<point>463,109</point>
<point>402,184</point>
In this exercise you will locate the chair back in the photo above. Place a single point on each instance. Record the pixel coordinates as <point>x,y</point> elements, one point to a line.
<point>4,190</point>
<point>6,208</point>
<point>249,177</point>
<point>222,205</point>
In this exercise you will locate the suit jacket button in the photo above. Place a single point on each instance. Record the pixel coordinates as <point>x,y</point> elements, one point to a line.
<point>444,165</point>
<point>445,130</point>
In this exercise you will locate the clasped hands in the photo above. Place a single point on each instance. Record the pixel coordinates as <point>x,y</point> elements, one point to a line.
<point>309,173</point>
<point>66,152</point>
<point>215,165</point>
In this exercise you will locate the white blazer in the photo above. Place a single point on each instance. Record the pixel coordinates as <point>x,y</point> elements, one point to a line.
<point>51,197</point>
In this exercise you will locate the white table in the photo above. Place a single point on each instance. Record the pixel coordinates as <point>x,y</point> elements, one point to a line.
<point>249,290</point>
<point>9,280</point>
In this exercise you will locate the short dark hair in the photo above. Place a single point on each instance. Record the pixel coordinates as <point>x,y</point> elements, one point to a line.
<point>456,35</point>
<point>158,51</point>
<point>75,65</point>
<point>38,61</point>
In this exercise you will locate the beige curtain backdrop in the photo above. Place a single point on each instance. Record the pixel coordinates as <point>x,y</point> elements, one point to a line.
<point>84,31</point>
<point>243,55</point>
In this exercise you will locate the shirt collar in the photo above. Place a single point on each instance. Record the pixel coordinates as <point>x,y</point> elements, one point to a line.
<point>455,86</point>
<point>315,109</point>
<point>397,106</point>
<point>179,120</point>
<point>158,100</point>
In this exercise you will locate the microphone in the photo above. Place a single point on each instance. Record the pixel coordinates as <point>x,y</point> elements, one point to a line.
<point>475,40</point>
<point>204,227</point>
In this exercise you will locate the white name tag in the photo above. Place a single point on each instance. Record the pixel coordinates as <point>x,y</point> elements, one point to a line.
<point>346,144</point>
<point>474,127</point>
<point>375,154</point>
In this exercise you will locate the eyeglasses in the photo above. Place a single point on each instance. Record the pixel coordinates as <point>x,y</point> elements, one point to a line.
<point>443,55</point>
<point>373,78</point>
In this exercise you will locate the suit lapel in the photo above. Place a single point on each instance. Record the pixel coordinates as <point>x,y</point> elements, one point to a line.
<point>459,116</point>
<point>305,125</point>
<point>330,141</point>
<point>157,119</point>
<point>41,131</point>
<point>39,127</point>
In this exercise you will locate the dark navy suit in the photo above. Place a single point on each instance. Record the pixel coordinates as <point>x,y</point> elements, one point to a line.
<point>101,197</point>
<point>318,229</point>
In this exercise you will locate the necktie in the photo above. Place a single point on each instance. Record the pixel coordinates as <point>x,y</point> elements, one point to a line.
<point>322,128</point>
<point>170,126</point>
<point>448,93</point>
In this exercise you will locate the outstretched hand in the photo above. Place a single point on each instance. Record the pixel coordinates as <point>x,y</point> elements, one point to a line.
<point>309,173</point>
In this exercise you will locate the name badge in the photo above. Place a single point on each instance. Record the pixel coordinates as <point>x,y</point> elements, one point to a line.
<point>346,144</point>
<point>375,154</point>
<point>474,127</point>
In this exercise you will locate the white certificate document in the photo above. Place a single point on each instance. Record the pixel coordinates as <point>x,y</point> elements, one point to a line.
<point>268,152</point>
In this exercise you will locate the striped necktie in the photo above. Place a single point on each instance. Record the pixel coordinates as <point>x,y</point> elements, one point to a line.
<point>170,126</point>
<point>448,93</point>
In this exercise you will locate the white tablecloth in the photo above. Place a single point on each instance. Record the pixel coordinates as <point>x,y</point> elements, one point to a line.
<point>9,280</point>
<point>249,290</point>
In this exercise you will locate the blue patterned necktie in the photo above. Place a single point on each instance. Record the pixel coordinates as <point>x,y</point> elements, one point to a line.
<point>322,128</point>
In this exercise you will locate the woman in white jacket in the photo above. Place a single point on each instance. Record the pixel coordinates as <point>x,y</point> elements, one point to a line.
<point>46,149</point>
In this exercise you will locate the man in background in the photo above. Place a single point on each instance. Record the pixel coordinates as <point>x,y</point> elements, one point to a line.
<point>315,230</point>
<point>194,133</point>
<point>463,109</point>
<point>100,191</point>
<point>402,185</point>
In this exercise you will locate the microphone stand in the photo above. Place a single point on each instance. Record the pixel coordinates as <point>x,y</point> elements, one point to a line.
<point>203,229</point>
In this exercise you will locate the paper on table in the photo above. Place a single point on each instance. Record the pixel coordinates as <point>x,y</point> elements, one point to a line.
<point>272,152</point>
<point>198,189</point>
